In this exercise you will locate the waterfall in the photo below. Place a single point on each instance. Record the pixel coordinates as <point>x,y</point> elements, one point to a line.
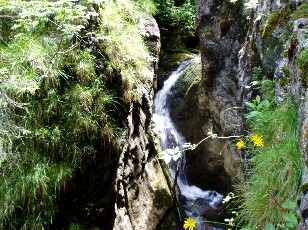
<point>171,138</point>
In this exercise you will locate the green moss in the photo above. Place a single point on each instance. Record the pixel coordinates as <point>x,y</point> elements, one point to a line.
<point>302,62</point>
<point>271,23</point>
<point>283,81</point>
<point>301,12</point>
<point>207,31</point>
<point>169,62</point>
<point>304,187</point>
<point>286,71</point>
<point>224,9</point>
<point>275,19</point>
<point>270,43</point>
<point>162,198</point>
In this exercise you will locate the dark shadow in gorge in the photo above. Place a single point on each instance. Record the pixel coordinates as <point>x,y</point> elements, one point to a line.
<point>90,198</point>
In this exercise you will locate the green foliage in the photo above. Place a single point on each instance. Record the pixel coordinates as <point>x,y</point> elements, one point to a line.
<point>224,9</point>
<point>256,73</point>
<point>75,226</point>
<point>257,107</point>
<point>265,196</point>
<point>124,43</point>
<point>147,7</point>
<point>57,112</point>
<point>182,17</point>
<point>301,12</point>
<point>286,76</point>
<point>67,17</point>
<point>286,71</point>
<point>302,62</point>
<point>58,126</point>
<point>177,23</point>
<point>278,18</point>
<point>263,84</point>
<point>289,215</point>
<point>267,89</point>
<point>271,23</point>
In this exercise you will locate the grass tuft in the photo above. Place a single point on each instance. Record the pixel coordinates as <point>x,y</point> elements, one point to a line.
<point>275,176</point>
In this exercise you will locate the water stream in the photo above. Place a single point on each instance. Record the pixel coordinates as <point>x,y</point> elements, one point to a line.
<point>195,200</point>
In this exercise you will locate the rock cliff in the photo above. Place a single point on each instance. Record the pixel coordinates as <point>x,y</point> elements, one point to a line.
<point>143,195</point>
<point>212,99</point>
<point>234,40</point>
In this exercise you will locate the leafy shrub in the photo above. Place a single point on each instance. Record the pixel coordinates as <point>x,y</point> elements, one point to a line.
<point>57,111</point>
<point>179,19</point>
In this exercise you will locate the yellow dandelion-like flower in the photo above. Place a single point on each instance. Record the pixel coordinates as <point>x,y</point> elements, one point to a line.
<point>189,224</point>
<point>240,144</point>
<point>257,140</point>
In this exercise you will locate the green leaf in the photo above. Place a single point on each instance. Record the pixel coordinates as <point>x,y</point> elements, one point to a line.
<point>289,205</point>
<point>258,99</point>
<point>264,103</point>
<point>269,226</point>
<point>252,114</point>
<point>251,105</point>
<point>290,219</point>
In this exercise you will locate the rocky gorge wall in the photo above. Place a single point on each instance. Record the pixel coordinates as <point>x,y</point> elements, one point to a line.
<point>206,98</point>
<point>233,41</point>
<point>143,195</point>
<point>212,96</point>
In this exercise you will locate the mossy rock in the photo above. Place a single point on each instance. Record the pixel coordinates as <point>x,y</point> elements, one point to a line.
<point>301,12</point>
<point>304,187</point>
<point>275,19</point>
<point>302,61</point>
<point>170,61</point>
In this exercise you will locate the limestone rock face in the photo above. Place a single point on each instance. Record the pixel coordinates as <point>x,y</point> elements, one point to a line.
<point>143,196</point>
<point>222,29</point>
<point>152,39</point>
<point>233,41</point>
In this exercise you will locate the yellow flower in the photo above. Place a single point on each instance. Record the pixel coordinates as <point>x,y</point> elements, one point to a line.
<point>257,140</point>
<point>189,224</point>
<point>240,144</point>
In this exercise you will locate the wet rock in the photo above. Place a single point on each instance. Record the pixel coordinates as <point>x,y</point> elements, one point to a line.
<point>204,165</point>
<point>143,196</point>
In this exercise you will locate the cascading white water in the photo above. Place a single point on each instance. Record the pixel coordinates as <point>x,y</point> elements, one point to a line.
<point>171,138</point>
